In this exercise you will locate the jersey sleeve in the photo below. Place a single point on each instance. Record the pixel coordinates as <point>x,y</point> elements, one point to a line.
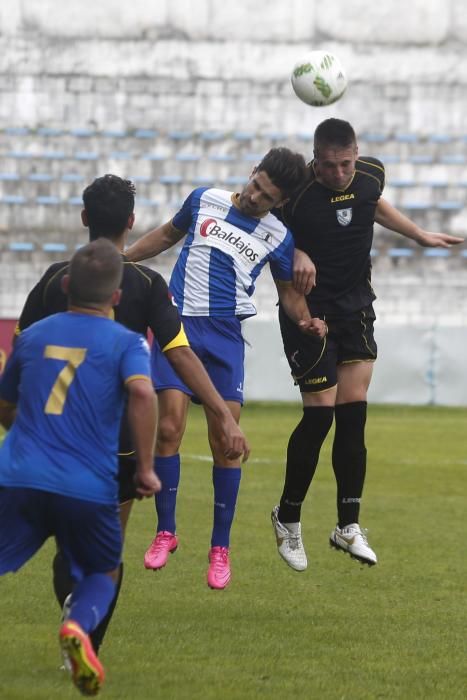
<point>281,260</point>
<point>375,169</point>
<point>164,321</point>
<point>135,359</point>
<point>183,218</point>
<point>37,306</point>
<point>382,175</point>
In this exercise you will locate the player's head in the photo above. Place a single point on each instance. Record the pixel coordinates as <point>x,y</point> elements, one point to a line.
<point>94,275</point>
<point>109,202</point>
<point>335,153</point>
<point>273,181</point>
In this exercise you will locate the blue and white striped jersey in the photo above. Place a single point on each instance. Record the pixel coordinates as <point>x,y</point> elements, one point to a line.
<point>223,253</point>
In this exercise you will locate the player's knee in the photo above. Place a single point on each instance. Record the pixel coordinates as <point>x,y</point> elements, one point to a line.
<point>217,446</point>
<point>351,418</point>
<point>350,427</point>
<point>169,435</point>
<point>316,423</point>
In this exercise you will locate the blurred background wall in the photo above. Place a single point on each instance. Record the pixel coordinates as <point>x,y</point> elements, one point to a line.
<point>179,94</point>
<point>114,64</point>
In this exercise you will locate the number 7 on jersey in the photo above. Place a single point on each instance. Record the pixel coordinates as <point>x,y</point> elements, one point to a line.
<point>73,358</point>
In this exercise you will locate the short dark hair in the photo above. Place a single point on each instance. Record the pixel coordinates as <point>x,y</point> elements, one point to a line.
<point>334,132</point>
<point>109,201</point>
<point>285,169</point>
<point>95,271</point>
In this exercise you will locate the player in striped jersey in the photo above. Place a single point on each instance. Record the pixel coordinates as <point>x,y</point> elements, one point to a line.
<point>228,239</point>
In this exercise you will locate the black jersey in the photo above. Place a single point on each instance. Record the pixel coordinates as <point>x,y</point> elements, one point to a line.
<point>335,228</point>
<point>145,303</point>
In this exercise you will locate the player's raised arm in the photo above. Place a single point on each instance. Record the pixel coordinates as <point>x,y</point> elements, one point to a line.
<point>154,242</point>
<point>391,218</point>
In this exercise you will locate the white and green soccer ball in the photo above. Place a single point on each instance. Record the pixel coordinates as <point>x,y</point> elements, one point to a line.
<point>319,79</point>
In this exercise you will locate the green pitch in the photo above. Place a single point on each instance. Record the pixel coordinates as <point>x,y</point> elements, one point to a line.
<point>337,631</point>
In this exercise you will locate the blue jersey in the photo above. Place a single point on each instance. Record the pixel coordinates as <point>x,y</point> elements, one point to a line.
<point>67,375</point>
<point>223,254</point>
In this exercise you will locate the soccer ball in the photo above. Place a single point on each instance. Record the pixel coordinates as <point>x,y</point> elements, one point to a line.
<point>318,79</point>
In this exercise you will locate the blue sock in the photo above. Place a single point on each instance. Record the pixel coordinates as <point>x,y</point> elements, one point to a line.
<point>91,599</point>
<point>168,471</point>
<point>226,484</point>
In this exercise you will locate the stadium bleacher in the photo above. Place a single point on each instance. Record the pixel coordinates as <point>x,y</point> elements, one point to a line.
<point>44,171</point>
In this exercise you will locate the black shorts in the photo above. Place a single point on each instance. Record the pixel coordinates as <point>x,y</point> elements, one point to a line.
<point>126,483</point>
<point>313,361</point>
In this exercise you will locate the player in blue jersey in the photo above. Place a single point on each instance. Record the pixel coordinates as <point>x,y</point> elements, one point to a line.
<point>145,304</point>
<point>229,238</point>
<point>68,376</point>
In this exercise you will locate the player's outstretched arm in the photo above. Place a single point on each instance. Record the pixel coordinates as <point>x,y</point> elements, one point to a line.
<point>191,370</point>
<point>304,272</point>
<point>142,419</point>
<point>391,218</point>
<point>296,308</point>
<point>154,242</point>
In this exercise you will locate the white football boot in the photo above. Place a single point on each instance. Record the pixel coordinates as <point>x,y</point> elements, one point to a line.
<point>352,539</point>
<point>289,542</point>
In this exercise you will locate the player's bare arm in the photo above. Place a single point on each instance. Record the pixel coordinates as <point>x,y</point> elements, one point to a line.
<point>154,242</point>
<point>191,370</point>
<point>391,218</point>
<point>296,308</point>
<point>304,272</point>
<point>142,418</point>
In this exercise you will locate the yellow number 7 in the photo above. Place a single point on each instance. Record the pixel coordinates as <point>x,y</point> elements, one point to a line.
<point>73,357</point>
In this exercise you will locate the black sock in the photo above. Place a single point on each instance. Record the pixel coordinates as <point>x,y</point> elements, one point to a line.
<point>302,458</point>
<point>62,581</point>
<point>349,459</point>
<point>97,635</point>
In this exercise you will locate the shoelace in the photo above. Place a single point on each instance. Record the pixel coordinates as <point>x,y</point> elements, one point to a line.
<point>294,541</point>
<point>161,541</point>
<point>219,559</point>
<point>362,532</point>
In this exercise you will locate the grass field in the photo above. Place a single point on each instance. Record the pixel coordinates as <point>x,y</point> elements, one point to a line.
<point>337,631</point>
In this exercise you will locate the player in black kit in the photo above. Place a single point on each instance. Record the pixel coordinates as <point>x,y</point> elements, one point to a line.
<point>145,304</point>
<point>332,219</point>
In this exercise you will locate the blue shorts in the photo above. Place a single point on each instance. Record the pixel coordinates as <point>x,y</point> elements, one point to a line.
<point>219,344</point>
<point>88,534</point>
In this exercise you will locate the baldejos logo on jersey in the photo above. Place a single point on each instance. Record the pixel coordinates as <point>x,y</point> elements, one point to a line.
<point>210,228</point>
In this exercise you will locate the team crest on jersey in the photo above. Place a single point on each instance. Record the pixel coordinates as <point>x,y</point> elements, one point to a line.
<point>344,216</point>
